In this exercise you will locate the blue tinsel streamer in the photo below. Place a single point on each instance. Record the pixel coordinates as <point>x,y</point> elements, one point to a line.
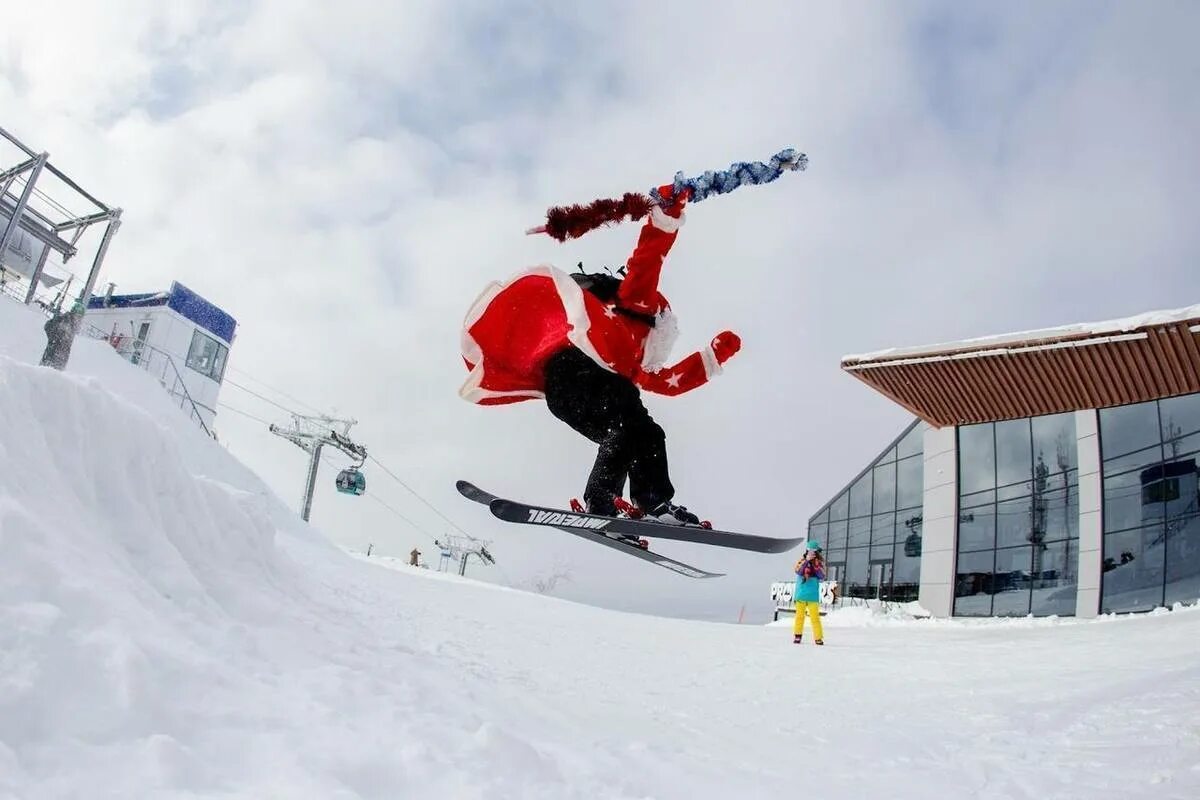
<point>741,173</point>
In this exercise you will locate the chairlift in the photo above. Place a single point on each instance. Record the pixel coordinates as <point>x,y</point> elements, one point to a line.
<point>351,481</point>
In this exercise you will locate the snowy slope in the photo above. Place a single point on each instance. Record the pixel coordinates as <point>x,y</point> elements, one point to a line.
<point>169,629</point>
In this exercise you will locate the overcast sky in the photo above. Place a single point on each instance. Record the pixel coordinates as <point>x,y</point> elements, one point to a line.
<point>345,179</point>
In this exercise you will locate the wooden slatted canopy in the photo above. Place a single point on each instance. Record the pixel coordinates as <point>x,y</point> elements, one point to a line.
<point>1092,365</point>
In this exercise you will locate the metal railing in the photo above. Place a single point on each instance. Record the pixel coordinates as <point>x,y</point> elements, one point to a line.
<point>152,359</point>
<point>158,363</point>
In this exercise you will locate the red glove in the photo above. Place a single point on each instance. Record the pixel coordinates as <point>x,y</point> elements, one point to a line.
<point>674,208</point>
<point>725,345</point>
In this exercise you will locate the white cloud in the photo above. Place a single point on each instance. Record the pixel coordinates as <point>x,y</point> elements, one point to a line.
<point>344,181</point>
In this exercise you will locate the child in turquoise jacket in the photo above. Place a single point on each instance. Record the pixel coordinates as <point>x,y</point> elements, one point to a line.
<point>810,571</point>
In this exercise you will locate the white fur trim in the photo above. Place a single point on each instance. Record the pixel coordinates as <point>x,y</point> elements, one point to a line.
<point>660,340</point>
<point>578,321</point>
<point>711,365</point>
<point>664,221</point>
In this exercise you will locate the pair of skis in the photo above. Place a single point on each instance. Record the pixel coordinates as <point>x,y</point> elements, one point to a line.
<point>621,533</point>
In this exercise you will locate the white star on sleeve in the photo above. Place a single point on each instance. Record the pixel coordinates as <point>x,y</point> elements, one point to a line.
<point>673,381</point>
<point>610,312</point>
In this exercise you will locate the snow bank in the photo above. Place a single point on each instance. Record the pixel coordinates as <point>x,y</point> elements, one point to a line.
<point>168,628</point>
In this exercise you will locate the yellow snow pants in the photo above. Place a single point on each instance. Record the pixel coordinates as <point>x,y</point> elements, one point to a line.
<point>814,612</point>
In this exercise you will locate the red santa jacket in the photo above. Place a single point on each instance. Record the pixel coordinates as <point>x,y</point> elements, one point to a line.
<point>514,327</point>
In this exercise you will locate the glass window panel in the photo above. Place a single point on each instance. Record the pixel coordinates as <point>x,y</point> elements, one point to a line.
<point>913,443</point>
<point>1013,456</point>
<point>1139,459</point>
<point>890,455</point>
<point>978,499</point>
<point>976,458</point>
<point>973,584</point>
<point>837,556</point>
<point>1183,446</point>
<point>1126,504</point>
<point>860,496</point>
<point>1132,572</point>
<point>1183,560</point>
<point>977,529</point>
<point>840,507</point>
<point>837,534</point>
<point>1019,489</point>
<point>1054,441</point>
<point>1057,515</point>
<point>883,534</point>
<point>1014,522</point>
<point>860,532</point>
<point>1180,415</point>
<point>823,517</point>
<point>906,568</point>
<point>1055,571</point>
<point>819,532</point>
<point>1176,484</point>
<point>1127,428</point>
<point>885,489</point>
<point>910,490</point>
<point>1012,581</point>
<point>856,573</point>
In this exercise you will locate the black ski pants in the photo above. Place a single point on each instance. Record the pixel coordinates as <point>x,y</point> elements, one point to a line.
<point>607,409</point>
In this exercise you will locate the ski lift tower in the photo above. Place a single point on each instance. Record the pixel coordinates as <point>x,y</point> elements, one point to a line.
<point>311,434</point>
<point>454,548</point>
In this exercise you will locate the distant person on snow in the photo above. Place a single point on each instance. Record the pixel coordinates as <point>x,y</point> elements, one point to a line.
<point>586,343</point>
<point>414,557</point>
<point>810,571</point>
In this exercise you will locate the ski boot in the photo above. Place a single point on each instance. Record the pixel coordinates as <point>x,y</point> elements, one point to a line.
<point>797,638</point>
<point>621,507</point>
<point>669,513</point>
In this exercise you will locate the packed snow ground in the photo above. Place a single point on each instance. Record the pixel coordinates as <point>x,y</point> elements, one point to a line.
<point>169,629</point>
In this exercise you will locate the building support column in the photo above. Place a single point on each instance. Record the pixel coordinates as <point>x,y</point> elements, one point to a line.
<point>939,524</point>
<point>1091,521</point>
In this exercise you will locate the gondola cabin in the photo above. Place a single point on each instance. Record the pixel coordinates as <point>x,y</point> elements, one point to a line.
<point>351,481</point>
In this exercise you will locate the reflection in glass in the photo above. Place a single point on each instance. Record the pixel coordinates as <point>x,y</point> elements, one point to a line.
<point>1055,578</point>
<point>909,487</point>
<point>860,496</point>
<point>837,534</point>
<point>856,572</point>
<point>973,584</point>
<point>913,443</point>
<point>1123,506</point>
<point>1127,428</point>
<point>1183,560</point>
<point>976,458</point>
<point>883,534</point>
<point>1180,416</point>
<point>840,507</point>
<point>977,529</point>
<point>1013,455</point>
<point>1014,522</point>
<point>1056,513</point>
<point>885,489</point>
<point>1012,581</point>
<point>1132,571</point>
<point>1054,441</point>
<point>1138,459</point>
<point>906,569</point>
<point>860,532</point>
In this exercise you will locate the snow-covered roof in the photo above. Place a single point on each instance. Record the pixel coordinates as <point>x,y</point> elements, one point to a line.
<point>1082,329</point>
<point>1030,373</point>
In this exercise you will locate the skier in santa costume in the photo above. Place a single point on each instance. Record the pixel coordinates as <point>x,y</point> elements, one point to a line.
<point>586,344</point>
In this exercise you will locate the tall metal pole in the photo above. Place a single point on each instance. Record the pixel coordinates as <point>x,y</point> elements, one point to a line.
<point>14,222</point>
<point>110,231</point>
<point>37,274</point>
<point>311,482</point>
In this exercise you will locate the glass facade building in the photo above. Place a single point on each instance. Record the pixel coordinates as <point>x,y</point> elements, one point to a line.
<point>871,530</point>
<point>1059,473</point>
<point>1151,554</point>
<point>1018,518</point>
<point>1016,547</point>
